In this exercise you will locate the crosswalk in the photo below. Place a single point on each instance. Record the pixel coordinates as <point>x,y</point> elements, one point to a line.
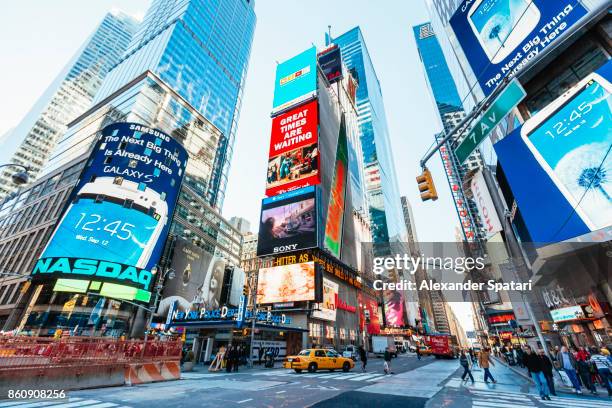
<point>63,403</point>
<point>341,376</point>
<point>497,399</point>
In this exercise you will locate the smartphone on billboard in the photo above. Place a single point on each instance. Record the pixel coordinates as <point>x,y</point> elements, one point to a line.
<point>571,139</point>
<point>113,219</point>
<point>501,25</point>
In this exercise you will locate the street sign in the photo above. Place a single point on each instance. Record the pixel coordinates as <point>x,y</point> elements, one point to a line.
<point>240,314</point>
<point>503,104</point>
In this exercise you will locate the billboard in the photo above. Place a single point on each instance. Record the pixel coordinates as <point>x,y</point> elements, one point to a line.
<point>115,223</point>
<point>368,314</point>
<point>500,37</point>
<point>296,80</point>
<point>563,154</point>
<point>294,154</point>
<point>330,61</point>
<point>198,280</point>
<point>335,210</point>
<point>288,222</point>
<point>394,308</point>
<point>327,308</point>
<point>288,283</point>
<point>484,203</point>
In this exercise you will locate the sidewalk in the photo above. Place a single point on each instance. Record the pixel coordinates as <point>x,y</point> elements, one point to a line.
<point>559,386</point>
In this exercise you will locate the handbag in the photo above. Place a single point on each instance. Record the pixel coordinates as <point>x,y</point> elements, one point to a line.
<point>564,378</point>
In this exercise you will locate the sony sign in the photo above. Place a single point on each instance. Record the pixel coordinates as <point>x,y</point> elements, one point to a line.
<point>486,210</point>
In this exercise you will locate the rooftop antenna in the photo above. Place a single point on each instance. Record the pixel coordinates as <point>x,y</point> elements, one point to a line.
<point>329,37</point>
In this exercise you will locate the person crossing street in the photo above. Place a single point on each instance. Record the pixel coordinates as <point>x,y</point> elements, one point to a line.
<point>485,361</point>
<point>533,362</point>
<point>387,366</point>
<point>465,363</point>
<point>363,356</point>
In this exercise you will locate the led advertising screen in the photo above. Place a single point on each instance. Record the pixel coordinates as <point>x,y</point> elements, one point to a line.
<point>327,308</point>
<point>368,314</point>
<point>563,153</point>
<point>500,37</point>
<point>335,211</point>
<point>198,280</point>
<point>288,222</point>
<point>296,80</point>
<point>294,154</point>
<point>287,283</point>
<point>330,61</point>
<point>113,228</point>
<point>394,308</point>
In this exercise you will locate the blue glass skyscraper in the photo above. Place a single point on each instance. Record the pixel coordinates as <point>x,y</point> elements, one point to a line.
<point>201,49</point>
<point>381,181</point>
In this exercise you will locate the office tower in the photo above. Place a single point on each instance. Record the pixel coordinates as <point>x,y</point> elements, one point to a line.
<point>380,178</point>
<point>241,224</point>
<point>31,142</point>
<point>450,111</point>
<point>201,50</point>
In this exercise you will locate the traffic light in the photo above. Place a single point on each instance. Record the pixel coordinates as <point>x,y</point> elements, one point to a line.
<point>426,186</point>
<point>245,290</point>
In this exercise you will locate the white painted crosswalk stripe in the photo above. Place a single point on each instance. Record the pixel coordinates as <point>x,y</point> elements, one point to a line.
<point>39,403</point>
<point>490,404</point>
<point>573,402</point>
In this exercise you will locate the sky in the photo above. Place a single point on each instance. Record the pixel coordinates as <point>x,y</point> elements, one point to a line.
<point>35,49</point>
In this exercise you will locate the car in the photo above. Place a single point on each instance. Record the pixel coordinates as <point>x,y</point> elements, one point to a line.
<point>318,359</point>
<point>351,352</point>
<point>425,351</point>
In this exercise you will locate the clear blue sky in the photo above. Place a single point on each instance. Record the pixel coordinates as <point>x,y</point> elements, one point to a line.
<point>38,37</point>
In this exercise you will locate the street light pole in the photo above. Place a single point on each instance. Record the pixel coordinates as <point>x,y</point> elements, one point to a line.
<point>158,287</point>
<point>253,294</point>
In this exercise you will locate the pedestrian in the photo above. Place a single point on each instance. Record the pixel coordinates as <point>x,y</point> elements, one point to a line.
<point>600,359</point>
<point>229,358</point>
<point>363,356</point>
<point>387,365</point>
<point>485,361</point>
<point>567,362</point>
<point>465,363</point>
<point>474,357</point>
<point>547,369</point>
<point>534,366</point>
<point>418,351</point>
<point>584,369</point>
<point>519,357</point>
<point>236,359</point>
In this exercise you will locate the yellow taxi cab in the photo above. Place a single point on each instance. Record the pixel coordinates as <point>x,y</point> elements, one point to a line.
<point>318,359</point>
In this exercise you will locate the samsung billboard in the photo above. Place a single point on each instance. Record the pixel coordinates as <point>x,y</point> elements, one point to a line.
<point>115,223</point>
<point>500,37</point>
<point>558,164</point>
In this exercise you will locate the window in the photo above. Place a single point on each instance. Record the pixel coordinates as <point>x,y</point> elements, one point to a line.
<point>319,353</point>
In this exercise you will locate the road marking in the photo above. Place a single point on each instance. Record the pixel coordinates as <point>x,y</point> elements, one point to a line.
<point>378,376</point>
<point>246,400</point>
<point>80,403</point>
<point>573,402</point>
<point>46,402</point>
<point>487,403</point>
<point>29,404</point>
<point>280,392</point>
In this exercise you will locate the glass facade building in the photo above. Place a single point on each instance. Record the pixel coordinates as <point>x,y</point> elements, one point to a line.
<point>386,216</point>
<point>201,50</point>
<point>69,95</point>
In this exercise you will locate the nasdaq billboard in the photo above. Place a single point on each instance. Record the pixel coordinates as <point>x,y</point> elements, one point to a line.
<point>288,222</point>
<point>296,80</point>
<point>294,150</point>
<point>563,154</point>
<point>500,37</point>
<point>115,223</point>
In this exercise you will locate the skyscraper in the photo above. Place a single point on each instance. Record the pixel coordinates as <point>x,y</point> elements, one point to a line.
<point>201,50</point>
<point>381,181</point>
<point>69,95</point>
<point>450,112</point>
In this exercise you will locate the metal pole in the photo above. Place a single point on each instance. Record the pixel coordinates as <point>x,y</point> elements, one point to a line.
<point>253,290</point>
<point>158,288</point>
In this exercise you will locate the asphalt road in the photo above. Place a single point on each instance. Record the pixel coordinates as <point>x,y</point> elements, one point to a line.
<point>426,383</point>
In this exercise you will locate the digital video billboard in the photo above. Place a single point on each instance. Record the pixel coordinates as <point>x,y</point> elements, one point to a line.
<point>287,283</point>
<point>294,154</point>
<point>296,80</point>
<point>368,314</point>
<point>335,211</point>
<point>330,61</point>
<point>394,308</point>
<point>327,308</point>
<point>288,222</point>
<point>500,37</point>
<point>198,280</point>
<point>115,223</point>
<point>563,153</point>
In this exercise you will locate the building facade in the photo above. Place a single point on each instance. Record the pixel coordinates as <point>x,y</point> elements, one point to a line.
<point>32,141</point>
<point>201,50</point>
